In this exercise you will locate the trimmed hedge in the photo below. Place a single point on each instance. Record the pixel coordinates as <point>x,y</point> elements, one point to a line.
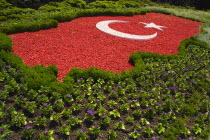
<point>15,26</point>
<point>5,42</point>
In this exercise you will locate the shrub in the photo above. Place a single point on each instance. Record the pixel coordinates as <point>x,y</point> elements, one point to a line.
<point>4,4</point>
<point>129,3</point>
<point>17,26</point>
<point>76,3</point>
<point>5,42</point>
<point>105,4</point>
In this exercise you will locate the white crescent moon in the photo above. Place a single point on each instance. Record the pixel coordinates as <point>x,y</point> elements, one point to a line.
<point>104,26</point>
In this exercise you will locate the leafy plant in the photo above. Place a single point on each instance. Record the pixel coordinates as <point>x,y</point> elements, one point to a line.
<point>40,121</point>
<point>4,131</point>
<point>105,120</point>
<point>55,117</point>
<point>114,113</point>
<point>47,135</point>
<point>30,106</point>
<point>46,109</point>
<point>134,134</point>
<point>95,130</point>
<point>28,132</point>
<point>159,128</point>
<point>119,125</point>
<point>59,104</point>
<point>74,121</point>
<point>18,119</point>
<point>129,119</point>
<point>82,135</point>
<point>148,131</point>
<point>65,129</point>
<point>112,135</point>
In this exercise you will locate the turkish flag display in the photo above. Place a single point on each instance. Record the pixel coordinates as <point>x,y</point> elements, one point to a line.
<point>105,42</point>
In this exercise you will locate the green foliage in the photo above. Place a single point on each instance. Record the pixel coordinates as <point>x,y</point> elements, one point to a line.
<point>17,26</point>
<point>76,3</point>
<point>9,12</point>
<point>105,4</point>
<point>95,73</point>
<point>5,42</point>
<point>134,3</point>
<point>4,4</point>
<point>54,6</point>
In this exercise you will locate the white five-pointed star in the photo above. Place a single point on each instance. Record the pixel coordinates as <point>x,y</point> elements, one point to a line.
<point>153,25</point>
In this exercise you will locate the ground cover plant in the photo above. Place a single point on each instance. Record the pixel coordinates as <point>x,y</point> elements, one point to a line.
<point>162,97</point>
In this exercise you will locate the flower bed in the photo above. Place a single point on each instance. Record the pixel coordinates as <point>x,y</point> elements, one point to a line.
<point>80,44</point>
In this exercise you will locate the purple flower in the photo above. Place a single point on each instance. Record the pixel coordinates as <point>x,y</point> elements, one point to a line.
<point>27,127</point>
<point>68,95</point>
<point>8,108</point>
<point>45,132</point>
<point>103,117</point>
<point>81,131</point>
<point>120,122</point>
<point>39,116</point>
<point>91,112</point>
<point>195,82</point>
<point>150,108</point>
<point>171,87</point>
<point>160,105</point>
<point>58,100</point>
<point>18,70</point>
<point>21,96</point>
<point>98,100</point>
<point>44,104</point>
<point>0,101</point>
<point>166,88</point>
<point>119,86</point>
<point>72,117</point>
<point>154,138</point>
<point>7,66</point>
<point>1,130</point>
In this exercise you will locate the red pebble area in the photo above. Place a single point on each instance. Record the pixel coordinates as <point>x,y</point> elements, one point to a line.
<point>79,44</point>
